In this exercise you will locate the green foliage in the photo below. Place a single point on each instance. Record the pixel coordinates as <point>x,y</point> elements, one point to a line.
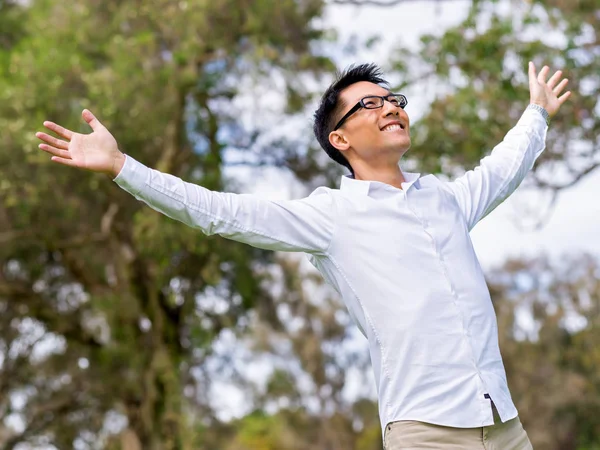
<point>116,282</point>
<point>259,431</point>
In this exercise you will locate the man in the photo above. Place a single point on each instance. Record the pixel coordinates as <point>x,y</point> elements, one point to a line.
<point>394,244</point>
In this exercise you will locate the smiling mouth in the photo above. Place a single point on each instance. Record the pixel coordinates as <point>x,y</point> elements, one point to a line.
<point>393,127</point>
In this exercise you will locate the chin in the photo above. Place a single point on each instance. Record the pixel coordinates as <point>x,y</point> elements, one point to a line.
<point>401,146</point>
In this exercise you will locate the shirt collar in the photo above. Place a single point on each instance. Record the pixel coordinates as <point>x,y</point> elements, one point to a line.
<point>361,187</point>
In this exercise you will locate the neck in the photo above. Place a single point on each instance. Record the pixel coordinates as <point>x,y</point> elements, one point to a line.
<point>388,175</point>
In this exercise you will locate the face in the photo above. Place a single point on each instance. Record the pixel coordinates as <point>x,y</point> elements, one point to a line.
<point>375,137</point>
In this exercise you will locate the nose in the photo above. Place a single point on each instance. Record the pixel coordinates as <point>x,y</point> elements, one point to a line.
<point>389,108</point>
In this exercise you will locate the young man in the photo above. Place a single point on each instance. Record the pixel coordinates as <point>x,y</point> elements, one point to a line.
<point>394,244</point>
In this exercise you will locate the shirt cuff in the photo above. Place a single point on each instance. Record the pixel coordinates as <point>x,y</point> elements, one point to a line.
<point>541,110</point>
<point>133,176</point>
<point>533,117</point>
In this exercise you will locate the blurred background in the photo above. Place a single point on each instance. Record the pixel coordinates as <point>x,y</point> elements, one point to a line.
<point>122,329</point>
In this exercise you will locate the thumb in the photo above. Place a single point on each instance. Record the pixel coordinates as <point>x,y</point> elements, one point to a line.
<point>91,120</point>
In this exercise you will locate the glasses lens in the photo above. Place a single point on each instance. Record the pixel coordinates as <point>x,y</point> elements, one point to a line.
<point>397,100</point>
<point>372,102</point>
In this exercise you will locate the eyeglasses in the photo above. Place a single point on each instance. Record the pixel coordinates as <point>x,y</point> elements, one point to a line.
<point>374,102</point>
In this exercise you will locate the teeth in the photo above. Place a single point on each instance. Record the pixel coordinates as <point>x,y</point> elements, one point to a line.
<point>392,127</point>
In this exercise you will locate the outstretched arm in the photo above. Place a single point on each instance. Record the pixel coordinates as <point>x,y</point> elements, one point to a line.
<point>481,190</point>
<point>296,225</point>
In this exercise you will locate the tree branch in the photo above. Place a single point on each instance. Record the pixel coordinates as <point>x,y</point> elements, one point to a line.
<point>11,235</point>
<point>578,175</point>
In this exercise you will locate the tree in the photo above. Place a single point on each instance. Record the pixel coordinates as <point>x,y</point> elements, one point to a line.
<point>548,320</point>
<point>112,288</point>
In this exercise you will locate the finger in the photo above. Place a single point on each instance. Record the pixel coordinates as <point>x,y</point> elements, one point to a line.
<point>558,89</point>
<point>554,79</point>
<point>563,98</point>
<point>91,120</point>
<point>543,74</point>
<point>52,140</point>
<point>55,151</point>
<point>532,73</point>
<point>63,161</point>
<point>61,131</point>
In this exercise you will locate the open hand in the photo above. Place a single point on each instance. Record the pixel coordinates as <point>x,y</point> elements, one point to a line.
<point>97,151</point>
<point>546,93</point>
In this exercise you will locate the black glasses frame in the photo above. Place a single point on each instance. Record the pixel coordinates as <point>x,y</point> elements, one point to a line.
<point>401,98</point>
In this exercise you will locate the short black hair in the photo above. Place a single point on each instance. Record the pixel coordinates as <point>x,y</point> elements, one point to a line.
<point>331,105</point>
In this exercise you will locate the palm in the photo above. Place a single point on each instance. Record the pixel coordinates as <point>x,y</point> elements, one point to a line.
<point>92,151</point>
<point>547,93</point>
<point>96,151</point>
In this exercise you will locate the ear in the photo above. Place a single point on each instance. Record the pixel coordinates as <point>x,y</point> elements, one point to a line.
<point>339,141</point>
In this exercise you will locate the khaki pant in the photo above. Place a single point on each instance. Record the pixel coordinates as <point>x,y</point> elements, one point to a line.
<point>411,435</point>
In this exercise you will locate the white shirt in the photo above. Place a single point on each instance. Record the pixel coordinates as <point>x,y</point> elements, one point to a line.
<point>401,259</point>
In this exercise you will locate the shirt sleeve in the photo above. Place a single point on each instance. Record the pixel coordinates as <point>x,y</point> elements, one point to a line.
<point>480,191</point>
<point>304,225</point>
